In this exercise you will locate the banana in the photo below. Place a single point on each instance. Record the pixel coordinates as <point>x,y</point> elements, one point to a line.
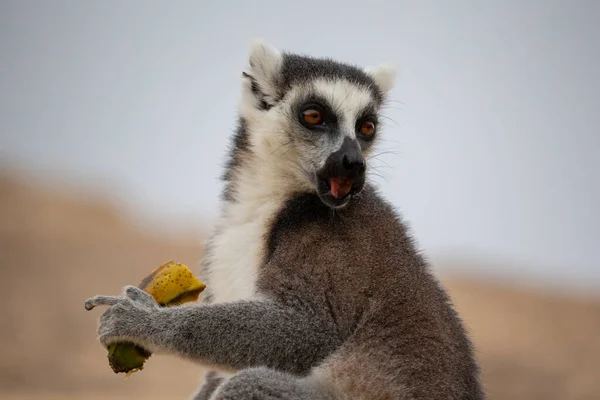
<point>169,284</point>
<point>172,284</point>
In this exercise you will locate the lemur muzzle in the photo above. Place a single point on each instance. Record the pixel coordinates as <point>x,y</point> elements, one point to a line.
<point>344,169</point>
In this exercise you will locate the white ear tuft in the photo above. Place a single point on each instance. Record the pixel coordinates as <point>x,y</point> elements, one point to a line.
<point>265,61</point>
<point>384,76</point>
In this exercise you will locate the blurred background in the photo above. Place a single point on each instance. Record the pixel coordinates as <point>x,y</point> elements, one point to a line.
<point>115,118</point>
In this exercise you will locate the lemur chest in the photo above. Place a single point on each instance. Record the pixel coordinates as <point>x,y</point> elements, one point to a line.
<point>238,250</point>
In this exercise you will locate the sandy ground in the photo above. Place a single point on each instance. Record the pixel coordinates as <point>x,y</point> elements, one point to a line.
<point>56,252</point>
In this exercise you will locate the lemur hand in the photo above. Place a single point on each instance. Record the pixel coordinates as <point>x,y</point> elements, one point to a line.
<point>129,318</point>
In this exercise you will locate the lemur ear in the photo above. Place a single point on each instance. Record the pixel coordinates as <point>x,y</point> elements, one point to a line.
<point>265,64</point>
<point>384,76</point>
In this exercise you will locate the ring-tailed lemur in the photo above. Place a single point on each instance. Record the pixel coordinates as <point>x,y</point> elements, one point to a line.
<point>315,288</point>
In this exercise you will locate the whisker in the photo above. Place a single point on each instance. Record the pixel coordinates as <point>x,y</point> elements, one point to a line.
<point>384,152</point>
<point>390,119</point>
<point>386,165</point>
<point>383,139</point>
<point>394,101</point>
<point>343,101</point>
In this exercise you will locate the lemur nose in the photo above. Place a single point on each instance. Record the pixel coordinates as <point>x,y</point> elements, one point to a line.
<point>353,163</point>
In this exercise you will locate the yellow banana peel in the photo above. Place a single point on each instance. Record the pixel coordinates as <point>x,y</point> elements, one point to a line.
<point>172,284</point>
<point>169,284</point>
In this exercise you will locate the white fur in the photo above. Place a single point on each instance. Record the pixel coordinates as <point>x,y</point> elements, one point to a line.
<point>384,76</point>
<point>262,186</point>
<point>265,63</point>
<point>239,250</point>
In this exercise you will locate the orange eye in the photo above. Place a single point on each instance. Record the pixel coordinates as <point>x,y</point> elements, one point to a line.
<point>312,117</point>
<point>367,128</point>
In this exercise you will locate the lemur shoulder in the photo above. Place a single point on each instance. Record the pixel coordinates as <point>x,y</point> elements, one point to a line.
<point>316,289</point>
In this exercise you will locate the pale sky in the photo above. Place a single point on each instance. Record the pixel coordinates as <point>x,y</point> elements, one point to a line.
<point>494,150</point>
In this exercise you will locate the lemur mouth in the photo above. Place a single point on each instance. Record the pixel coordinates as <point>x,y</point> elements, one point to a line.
<point>339,187</point>
<point>337,192</point>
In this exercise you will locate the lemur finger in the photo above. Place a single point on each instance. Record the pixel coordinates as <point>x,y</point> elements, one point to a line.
<point>137,294</point>
<point>101,301</point>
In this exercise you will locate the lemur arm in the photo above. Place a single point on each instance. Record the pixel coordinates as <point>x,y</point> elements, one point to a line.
<point>234,335</point>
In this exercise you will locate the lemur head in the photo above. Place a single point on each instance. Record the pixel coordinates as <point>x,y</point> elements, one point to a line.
<point>313,120</point>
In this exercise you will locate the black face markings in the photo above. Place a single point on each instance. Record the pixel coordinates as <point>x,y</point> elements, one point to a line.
<point>329,120</point>
<point>369,111</point>
<point>367,123</point>
<point>366,128</point>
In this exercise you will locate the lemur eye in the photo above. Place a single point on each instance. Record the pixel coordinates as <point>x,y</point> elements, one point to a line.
<point>312,116</point>
<point>367,128</point>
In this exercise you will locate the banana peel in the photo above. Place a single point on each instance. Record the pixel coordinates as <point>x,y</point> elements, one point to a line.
<point>170,284</point>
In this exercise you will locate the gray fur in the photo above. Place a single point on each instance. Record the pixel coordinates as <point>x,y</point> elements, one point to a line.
<point>268,384</point>
<point>289,336</point>
<point>345,304</point>
<point>212,381</point>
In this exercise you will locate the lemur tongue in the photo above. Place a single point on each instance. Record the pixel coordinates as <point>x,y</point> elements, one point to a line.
<point>339,187</point>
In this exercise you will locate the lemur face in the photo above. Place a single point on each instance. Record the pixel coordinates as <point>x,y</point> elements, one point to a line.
<point>315,119</point>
